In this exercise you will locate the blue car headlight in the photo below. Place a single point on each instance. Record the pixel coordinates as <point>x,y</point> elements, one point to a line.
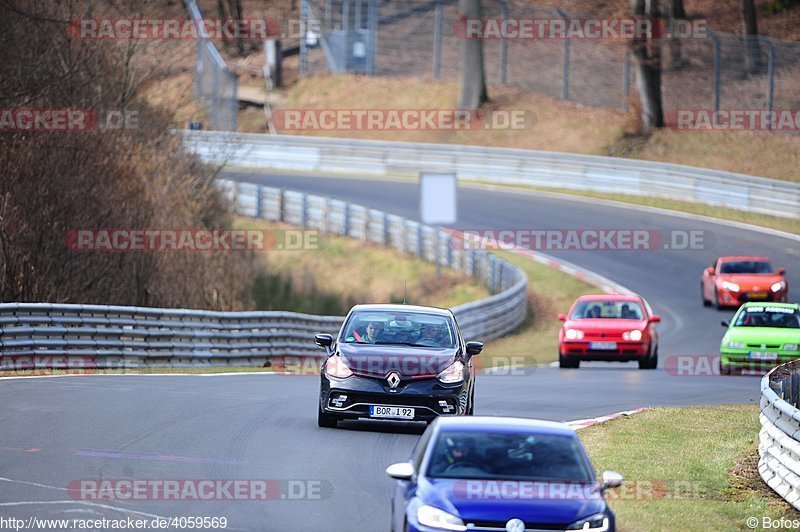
<point>595,523</point>
<point>433,517</point>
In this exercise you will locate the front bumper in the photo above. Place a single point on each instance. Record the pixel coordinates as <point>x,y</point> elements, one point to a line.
<point>741,358</point>
<point>427,396</point>
<point>624,352</point>
<point>728,298</point>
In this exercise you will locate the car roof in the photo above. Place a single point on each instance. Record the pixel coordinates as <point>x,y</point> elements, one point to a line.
<point>402,308</point>
<point>606,297</point>
<point>484,423</point>
<point>731,258</point>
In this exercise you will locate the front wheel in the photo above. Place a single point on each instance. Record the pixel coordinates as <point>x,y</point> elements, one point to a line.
<point>565,362</point>
<point>706,302</point>
<point>650,361</point>
<point>327,421</point>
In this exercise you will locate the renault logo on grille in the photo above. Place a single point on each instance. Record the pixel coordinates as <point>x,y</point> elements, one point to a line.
<point>393,379</point>
<point>515,525</point>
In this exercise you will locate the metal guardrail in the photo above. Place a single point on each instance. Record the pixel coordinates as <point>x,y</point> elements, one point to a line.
<point>499,165</point>
<point>779,438</point>
<point>39,335</point>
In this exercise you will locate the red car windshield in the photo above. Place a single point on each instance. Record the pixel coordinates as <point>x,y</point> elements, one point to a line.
<point>621,310</point>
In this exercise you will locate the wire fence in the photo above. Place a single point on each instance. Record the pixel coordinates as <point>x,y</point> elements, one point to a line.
<point>214,85</point>
<point>706,71</point>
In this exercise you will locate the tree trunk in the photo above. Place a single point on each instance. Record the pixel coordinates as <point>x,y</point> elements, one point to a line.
<point>752,51</point>
<point>473,79</point>
<point>674,11</point>
<point>648,68</point>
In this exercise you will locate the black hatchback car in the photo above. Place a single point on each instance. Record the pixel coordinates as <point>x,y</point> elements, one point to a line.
<point>396,362</point>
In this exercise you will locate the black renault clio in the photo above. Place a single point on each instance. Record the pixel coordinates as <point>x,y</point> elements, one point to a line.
<point>396,362</point>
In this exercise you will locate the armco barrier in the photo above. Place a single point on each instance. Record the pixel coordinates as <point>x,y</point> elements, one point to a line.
<point>499,165</point>
<point>779,439</point>
<point>52,335</point>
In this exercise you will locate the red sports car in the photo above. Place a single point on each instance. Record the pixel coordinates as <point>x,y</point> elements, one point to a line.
<point>609,327</point>
<point>731,281</point>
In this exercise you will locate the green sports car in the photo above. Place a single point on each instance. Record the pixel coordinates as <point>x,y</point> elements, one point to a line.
<point>760,336</point>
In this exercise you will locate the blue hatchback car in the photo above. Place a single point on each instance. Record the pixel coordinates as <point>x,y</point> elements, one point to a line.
<point>500,474</point>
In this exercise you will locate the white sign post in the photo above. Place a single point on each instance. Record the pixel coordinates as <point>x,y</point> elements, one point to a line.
<point>437,203</point>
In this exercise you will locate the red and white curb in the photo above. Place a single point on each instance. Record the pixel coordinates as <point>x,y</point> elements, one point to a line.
<point>583,423</point>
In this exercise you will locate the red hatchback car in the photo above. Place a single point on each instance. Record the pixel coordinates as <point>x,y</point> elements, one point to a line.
<point>731,281</point>
<point>609,327</point>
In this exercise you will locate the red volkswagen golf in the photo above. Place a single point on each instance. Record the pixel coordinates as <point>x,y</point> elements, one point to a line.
<point>609,327</point>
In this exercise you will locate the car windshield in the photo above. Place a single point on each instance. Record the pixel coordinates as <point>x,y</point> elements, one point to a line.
<point>508,456</point>
<point>626,310</point>
<point>746,266</point>
<point>787,318</point>
<point>417,329</point>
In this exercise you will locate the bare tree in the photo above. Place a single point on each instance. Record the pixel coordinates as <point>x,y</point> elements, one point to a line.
<point>232,10</point>
<point>752,51</point>
<point>473,78</point>
<point>647,53</point>
<point>674,11</point>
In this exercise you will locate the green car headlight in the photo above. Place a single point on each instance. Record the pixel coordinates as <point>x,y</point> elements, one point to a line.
<point>790,347</point>
<point>733,345</point>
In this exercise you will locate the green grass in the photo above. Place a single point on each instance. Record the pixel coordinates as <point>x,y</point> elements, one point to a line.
<point>686,468</point>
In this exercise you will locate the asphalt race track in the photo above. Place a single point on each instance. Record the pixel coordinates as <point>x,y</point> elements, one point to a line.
<point>54,431</point>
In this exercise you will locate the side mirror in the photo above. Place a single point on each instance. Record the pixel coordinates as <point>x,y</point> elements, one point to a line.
<point>323,340</point>
<point>612,479</point>
<point>710,271</point>
<point>655,319</point>
<point>725,323</point>
<point>401,471</point>
<point>474,348</point>
<point>782,271</point>
<point>562,317</point>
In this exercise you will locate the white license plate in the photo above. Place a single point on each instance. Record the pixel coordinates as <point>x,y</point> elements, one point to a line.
<point>394,412</point>
<point>767,357</point>
<point>603,346</point>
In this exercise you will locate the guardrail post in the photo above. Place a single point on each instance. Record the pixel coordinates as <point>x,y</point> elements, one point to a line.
<point>437,40</point>
<point>385,229</point>
<point>346,228</point>
<point>450,251</point>
<point>795,388</point>
<point>503,46</point>
<point>281,204</point>
<point>770,75</point>
<point>420,243</point>
<point>304,210</point>
<point>715,41</point>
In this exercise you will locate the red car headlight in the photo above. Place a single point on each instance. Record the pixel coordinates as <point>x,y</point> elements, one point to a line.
<point>632,336</point>
<point>573,334</point>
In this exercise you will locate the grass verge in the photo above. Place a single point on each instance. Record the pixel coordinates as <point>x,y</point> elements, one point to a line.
<point>691,468</point>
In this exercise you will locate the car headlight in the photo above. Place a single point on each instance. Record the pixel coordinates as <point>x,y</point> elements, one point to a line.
<point>633,336</point>
<point>727,285</point>
<point>453,373</point>
<point>777,287</point>
<point>790,347</point>
<point>335,367</point>
<point>596,523</point>
<point>573,334</point>
<point>733,345</point>
<point>433,517</point>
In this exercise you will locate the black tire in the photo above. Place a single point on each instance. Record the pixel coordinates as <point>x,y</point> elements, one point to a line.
<point>471,407</point>
<point>724,369</point>
<point>717,304</point>
<point>706,302</point>
<point>327,421</point>
<point>650,361</point>
<point>568,362</point>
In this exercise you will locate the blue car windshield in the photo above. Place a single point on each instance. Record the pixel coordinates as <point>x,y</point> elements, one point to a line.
<point>417,329</point>
<point>508,456</point>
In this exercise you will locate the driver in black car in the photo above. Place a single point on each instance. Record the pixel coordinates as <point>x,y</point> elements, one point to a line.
<point>430,335</point>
